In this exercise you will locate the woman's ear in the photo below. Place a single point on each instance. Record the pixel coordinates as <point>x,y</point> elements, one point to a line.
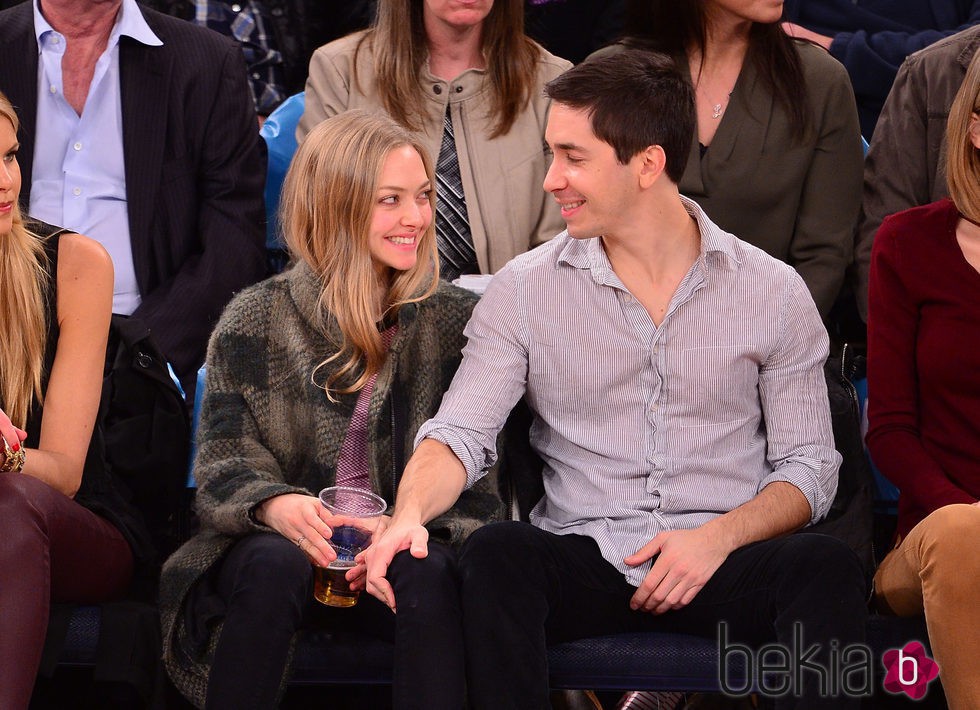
<point>653,162</point>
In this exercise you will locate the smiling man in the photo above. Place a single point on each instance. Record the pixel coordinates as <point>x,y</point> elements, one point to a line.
<point>675,374</point>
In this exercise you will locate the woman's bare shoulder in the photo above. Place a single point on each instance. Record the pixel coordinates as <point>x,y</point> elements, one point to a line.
<point>80,255</point>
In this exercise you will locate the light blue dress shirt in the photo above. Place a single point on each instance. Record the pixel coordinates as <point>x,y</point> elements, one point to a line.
<point>79,177</point>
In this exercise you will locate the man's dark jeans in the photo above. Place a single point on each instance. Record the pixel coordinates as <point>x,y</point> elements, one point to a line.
<point>524,588</point>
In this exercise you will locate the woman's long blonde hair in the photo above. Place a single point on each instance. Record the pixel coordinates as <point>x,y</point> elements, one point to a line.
<point>962,157</point>
<point>328,197</point>
<point>23,276</point>
<point>399,46</point>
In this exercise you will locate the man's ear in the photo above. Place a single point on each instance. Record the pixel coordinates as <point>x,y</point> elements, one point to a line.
<point>652,163</point>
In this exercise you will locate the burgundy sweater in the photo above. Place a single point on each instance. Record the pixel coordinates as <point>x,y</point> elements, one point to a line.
<point>924,362</point>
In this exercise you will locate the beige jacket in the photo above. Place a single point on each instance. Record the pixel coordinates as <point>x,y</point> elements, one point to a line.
<point>508,210</point>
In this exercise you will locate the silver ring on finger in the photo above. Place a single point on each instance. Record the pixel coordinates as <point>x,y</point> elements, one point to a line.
<point>300,541</point>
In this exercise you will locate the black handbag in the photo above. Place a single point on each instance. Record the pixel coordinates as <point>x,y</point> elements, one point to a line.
<point>850,518</point>
<point>145,429</point>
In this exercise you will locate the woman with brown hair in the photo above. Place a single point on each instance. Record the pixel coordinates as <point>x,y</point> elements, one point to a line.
<point>469,82</point>
<point>777,157</point>
<point>320,377</point>
<point>924,403</point>
<point>55,305</point>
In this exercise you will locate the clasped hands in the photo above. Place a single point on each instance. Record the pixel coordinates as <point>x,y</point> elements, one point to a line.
<point>303,520</point>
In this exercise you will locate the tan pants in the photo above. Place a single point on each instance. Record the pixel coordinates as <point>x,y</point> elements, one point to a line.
<point>936,570</point>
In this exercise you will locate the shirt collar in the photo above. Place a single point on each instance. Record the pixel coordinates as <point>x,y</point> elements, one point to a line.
<point>714,240</point>
<point>129,22</point>
<point>589,254</point>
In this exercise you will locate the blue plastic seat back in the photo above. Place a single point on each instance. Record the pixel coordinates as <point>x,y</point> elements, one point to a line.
<point>195,420</point>
<point>279,132</point>
<point>886,493</point>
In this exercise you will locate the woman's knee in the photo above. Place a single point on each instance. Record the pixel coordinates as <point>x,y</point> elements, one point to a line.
<point>23,510</point>
<point>441,562</point>
<point>266,568</point>
<point>946,539</point>
<point>22,498</point>
<point>428,582</point>
<point>950,526</point>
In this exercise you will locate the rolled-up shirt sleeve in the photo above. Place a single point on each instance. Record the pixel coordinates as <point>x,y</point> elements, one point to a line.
<point>793,394</point>
<point>490,380</point>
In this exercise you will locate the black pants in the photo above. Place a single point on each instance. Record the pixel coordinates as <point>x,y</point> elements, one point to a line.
<point>267,586</point>
<point>524,588</point>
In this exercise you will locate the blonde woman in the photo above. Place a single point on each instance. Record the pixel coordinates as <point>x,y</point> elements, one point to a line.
<point>55,305</point>
<point>307,373</point>
<point>924,403</point>
<point>469,82</point>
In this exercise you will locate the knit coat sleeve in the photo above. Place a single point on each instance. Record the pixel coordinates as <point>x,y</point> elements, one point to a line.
<point>234,468</point>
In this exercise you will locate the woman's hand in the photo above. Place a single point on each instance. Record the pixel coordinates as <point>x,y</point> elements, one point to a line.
<point>303,520</point>
<point>14,436</point>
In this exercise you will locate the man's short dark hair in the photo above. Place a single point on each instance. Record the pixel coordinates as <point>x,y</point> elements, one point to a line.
<point>635,98</point>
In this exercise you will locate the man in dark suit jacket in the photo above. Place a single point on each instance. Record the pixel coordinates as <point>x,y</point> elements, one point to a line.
<point>194,161</point>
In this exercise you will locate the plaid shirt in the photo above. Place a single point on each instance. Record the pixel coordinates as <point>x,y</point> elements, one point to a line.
<point>247,22</point>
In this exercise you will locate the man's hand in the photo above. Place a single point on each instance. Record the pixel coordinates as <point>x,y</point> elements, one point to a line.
<point>400,535</point>
<point>686,559</point>
<point>794,30</point>
<point>432,482</point>
<point>357,574</point>
<point>301,519</point>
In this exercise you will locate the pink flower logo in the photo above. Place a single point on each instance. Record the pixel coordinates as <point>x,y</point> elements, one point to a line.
<point>910,670</point>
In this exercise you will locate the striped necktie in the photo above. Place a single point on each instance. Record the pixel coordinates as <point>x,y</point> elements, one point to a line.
<point>456,253</point>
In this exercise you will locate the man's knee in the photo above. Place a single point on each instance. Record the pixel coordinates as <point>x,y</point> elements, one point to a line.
<point>826,562</point>
<point>499,555</point>
<point>492,543</point>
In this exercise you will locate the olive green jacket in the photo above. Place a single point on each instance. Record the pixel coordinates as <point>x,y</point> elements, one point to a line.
<point>797,199</point>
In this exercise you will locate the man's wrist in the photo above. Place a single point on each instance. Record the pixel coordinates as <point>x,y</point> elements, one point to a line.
<point>720,530</point>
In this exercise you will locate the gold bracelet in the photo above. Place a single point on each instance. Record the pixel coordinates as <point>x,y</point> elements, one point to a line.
<point>13,461</point>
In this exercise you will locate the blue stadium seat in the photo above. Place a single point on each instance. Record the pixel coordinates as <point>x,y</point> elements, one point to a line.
<point>279,132</point>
